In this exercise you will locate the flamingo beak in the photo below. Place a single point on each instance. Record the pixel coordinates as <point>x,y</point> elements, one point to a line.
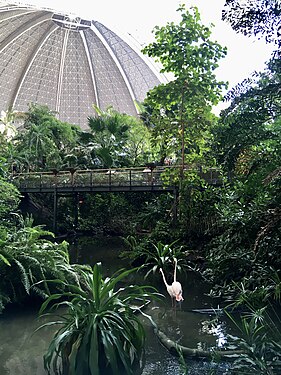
<point>179,297</point>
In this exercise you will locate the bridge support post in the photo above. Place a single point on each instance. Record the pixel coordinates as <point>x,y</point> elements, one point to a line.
<point>55,211</point>
<point>76,210</point>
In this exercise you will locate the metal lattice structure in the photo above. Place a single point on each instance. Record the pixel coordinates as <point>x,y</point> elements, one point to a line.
<point>68,64</point>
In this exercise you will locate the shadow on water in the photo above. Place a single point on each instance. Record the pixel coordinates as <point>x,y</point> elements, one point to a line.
<point>21,351</point>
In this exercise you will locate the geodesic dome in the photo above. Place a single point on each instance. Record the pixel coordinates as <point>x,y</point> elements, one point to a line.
<point>68,64</point>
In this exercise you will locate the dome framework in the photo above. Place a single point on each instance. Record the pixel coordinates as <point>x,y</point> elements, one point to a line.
<point>68,64</point>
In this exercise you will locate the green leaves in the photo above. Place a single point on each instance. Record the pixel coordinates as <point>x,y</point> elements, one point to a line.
<point>110,132</point>
<point>248,130</point>
<point>29,264</point>
<point>97,284</point>
<point>43,141</point>
<point>246,143</point>
<point>186,46</point>
<point>180,111</point>
<point>260,339</point>
<point>119,140</point>
<point>99,331</point>
<point>10,198</point>
<point>255,18</point>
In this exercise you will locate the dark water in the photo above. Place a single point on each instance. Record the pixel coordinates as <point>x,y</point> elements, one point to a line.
<point>21,350</point>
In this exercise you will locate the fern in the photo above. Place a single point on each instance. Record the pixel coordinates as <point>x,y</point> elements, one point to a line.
<point>5,260</point>
<point>23,276</point>
<point>30,263</point>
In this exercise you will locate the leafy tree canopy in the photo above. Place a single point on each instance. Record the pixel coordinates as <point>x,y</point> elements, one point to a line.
<point>250,122</point>
<point>247,144</point>
<point>10,198</point>
<point>44,140</point>
<point>261,18</point>
<point>186,51</point>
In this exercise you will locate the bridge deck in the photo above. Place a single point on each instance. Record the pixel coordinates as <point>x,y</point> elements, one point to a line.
<point>102,180</point>
<point>96,180</point>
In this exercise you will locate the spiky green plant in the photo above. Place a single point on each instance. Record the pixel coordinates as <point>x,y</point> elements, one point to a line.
<point>161,255</point>
<point>259,336</point>
<point>99,333</point>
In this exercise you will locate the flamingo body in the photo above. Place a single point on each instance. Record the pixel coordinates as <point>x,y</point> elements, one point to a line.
<point>174,290</point>
<point>177,291</point>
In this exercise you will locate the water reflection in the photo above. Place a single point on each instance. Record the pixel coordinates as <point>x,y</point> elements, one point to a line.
<point>21,351</point>
<point>215,328</point>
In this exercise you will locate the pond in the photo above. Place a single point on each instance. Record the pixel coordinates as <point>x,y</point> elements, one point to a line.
<point>21,350</point>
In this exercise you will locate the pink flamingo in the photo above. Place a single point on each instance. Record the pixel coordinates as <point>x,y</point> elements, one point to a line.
<point>175,290</point>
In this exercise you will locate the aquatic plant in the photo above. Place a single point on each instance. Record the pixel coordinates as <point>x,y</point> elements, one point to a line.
<point>162,255</point>
<point>259,334</point>
<point>99,331</point>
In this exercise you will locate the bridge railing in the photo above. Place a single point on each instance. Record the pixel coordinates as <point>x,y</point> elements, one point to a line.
<point>117,177</point>
<point>89,178</point>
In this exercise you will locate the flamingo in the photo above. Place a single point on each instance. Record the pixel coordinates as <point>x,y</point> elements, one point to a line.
<point>175,290</point>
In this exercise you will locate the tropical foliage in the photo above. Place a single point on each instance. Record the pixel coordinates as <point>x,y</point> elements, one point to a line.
<point>260,18</point>
<point>259,337</point>
<point>44,141</point>
<point>99,331</point>
<point>154,256</point>
<point>180,112</point>
<point>120,140</point>
<point>28,259</point>
<point>247,146</point>
<point>231,230</point>
<point>10,198</point>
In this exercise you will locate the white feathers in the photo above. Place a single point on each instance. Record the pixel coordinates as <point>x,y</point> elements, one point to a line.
<point>175,290</point>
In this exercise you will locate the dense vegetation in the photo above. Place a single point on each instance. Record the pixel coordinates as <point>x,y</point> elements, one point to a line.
<point>229,233</point>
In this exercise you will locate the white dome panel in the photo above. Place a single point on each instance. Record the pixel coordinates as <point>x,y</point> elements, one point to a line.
<point>68,64</point>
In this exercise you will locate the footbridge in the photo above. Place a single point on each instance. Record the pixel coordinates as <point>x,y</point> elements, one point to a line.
<point>94,180</point>
<point>105,180</point>
<point>72,182</point>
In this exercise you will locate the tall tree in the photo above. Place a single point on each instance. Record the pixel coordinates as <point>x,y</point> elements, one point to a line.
<point>255,102</point>
<point>179,112</point>
<point>247,143</point>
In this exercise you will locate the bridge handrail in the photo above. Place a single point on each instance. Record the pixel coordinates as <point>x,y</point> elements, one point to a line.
<point>89,177</point>
<point>135,176</point>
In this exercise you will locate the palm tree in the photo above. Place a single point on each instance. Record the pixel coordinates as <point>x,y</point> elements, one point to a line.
<point>46,139</point>
<point>110,132</point>
<point>8,118</point>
